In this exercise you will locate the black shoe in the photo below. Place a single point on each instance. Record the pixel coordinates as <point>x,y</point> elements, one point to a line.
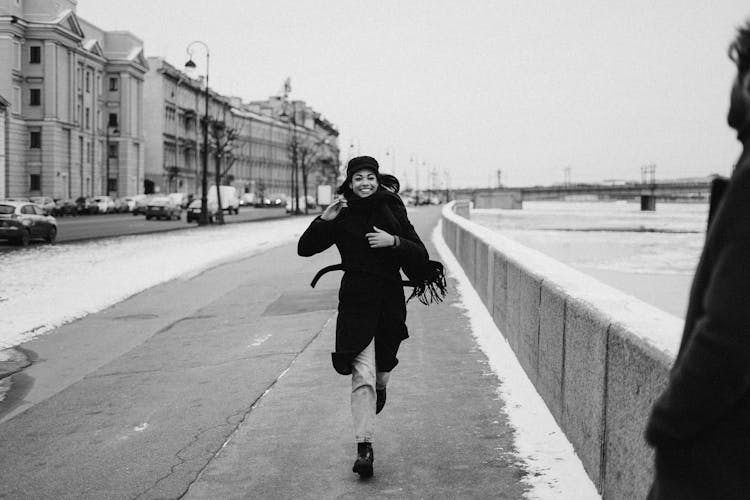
<point>380,401</point>
<point>365,458</point>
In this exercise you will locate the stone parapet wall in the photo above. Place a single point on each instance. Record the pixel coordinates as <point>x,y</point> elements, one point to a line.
<point>597,356</point>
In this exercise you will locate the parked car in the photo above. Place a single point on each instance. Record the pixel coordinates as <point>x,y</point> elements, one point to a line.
<point>230,201</point>
<point>163,207</point>
<point>141,200</point>
<point>247,199</point>
<point>124,204</point>
<point>85,206</point>
<point>65,207</point>
<point>105,204</point>
<point>22,222</point>
<point>47,203</point>
<point>182,199</point>
<point>194,210</point>
<point>310,203</point>
<point>275,200</point>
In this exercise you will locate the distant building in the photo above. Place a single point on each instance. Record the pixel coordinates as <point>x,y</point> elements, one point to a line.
<point>174,108</point>
<point>314,138</point>
<point>75,124</point>
<point>258,161</point>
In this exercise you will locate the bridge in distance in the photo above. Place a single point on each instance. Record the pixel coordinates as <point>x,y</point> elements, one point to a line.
<point>647,192</point>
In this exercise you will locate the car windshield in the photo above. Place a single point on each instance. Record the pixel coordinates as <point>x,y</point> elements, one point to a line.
<point>7,209</point>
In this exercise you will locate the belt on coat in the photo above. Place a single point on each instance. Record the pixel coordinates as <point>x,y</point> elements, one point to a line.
<point>342,267</point>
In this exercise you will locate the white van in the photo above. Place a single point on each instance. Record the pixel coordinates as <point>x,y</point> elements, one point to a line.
<point>230,200</point>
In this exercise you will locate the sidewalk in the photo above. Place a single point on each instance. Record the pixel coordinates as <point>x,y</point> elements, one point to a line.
<point>220,386</point>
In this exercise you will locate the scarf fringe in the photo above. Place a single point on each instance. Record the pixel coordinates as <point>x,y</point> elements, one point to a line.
<point>432,288</point>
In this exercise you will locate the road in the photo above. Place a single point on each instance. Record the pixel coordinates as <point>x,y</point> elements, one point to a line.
<point>86,227</point>
<point>230,393</point>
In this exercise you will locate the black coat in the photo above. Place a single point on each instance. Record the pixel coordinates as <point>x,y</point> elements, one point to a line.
<point>371,297</point>
<point>700,426</point>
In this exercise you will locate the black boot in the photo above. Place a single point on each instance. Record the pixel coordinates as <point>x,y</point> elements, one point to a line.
<point>365,458</point>
<point>380,401</point>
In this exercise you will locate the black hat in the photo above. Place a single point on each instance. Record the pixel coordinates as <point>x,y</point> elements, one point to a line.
<point>360,163</point>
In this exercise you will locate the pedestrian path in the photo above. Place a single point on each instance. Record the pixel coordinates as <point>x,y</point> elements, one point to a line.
<point>224,389</point>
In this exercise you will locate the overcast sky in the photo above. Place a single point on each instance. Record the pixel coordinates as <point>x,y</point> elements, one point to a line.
<point>469,87</point>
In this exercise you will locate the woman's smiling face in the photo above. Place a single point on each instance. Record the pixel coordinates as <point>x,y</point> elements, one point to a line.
<point>364,182</point>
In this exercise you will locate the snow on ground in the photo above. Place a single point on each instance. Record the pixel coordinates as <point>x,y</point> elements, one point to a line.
<point>46,286</point>
<point>555,471</point>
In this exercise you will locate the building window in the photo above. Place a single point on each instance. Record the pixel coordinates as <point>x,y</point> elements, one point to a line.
<point>35,139</point>
<point>114,84</point>
<point>17,55</point>
<point>35,97</point>
<point>99,84</point>
<point>78,78</point>
<point>114,149</point>
<point>89,148</point>
<point>112,185</point>
<point>17,100</point>
<point>87,119</point>
<point>88,82</point>
<point>35,183</point>
<point>112,120</point>
<point>35,54</point>
<point>78,114</point>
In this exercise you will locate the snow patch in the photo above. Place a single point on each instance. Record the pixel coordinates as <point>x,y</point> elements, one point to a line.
<point>44,287</point>
<point>554,469</point>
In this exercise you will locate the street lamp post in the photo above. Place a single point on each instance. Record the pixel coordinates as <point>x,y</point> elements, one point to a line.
<point>294,188</point>
<point>190,65</point>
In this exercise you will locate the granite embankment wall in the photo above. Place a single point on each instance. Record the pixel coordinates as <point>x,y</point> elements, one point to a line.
<point>598,357</point>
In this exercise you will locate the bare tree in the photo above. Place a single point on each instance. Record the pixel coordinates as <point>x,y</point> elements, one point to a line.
<point>306,153</point>
<point>222,142</point>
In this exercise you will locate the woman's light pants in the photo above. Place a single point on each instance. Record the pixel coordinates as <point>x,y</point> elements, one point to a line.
<point>365,379</point>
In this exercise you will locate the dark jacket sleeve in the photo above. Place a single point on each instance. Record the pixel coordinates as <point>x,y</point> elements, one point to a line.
<point>318,237</point>
<point>713,369</point>
<point>410,248</point>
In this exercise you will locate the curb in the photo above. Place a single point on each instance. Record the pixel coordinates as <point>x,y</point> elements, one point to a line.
<point>12,361</point>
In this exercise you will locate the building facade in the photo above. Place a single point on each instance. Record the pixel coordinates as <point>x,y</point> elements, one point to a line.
<point>75,120</point>
<point>258,161</point>
<point>306,144</point>
<point>3,144</point>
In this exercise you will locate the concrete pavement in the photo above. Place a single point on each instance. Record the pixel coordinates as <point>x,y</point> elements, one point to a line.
<point>220,386</point>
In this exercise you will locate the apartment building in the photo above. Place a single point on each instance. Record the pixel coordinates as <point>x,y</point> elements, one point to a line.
<point>302,135</point>
<point>75,119</point>
<point>258,160</point>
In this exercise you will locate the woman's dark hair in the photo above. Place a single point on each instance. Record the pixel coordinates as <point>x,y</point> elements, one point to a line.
<point>390,181</point>
<point>739,49</point>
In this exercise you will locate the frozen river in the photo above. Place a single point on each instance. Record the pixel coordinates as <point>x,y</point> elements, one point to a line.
<point>651,255</point>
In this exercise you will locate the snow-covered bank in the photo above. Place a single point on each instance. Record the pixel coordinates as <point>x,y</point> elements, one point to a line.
<point>44,287</point>
<point>555,471</point>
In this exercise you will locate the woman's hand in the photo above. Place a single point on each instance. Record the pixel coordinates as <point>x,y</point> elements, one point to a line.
<point>380,239</point>
<point>333,210</point>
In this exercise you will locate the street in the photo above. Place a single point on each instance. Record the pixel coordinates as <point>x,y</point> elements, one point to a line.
<point>85,227</point>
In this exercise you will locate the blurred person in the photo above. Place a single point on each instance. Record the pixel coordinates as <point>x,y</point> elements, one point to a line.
<point>375,238</point>
<point>700,425</point>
